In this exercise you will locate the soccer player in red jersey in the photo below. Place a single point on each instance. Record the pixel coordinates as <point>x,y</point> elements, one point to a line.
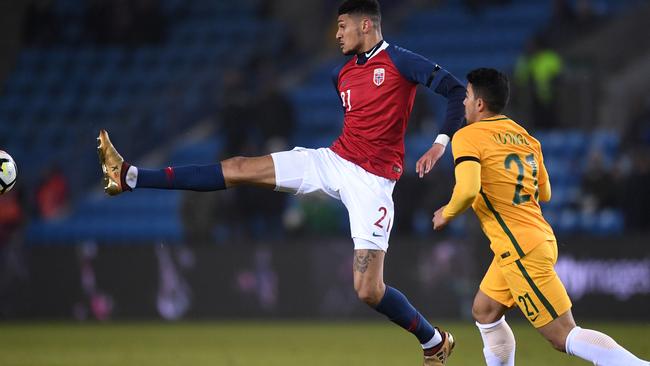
<point>377,86</point>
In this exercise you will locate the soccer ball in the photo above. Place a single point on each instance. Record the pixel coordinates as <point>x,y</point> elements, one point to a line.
<point>8,172</point>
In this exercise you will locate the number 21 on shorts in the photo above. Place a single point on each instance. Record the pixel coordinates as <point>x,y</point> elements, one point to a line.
<point>531,312</point>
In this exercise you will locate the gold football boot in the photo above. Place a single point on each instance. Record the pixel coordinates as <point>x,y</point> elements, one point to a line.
<point>112,165</point>
<point>440,357</point>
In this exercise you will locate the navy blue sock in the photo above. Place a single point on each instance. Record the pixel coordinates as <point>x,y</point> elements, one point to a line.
<point>202,178</point>
<point>398,309</point>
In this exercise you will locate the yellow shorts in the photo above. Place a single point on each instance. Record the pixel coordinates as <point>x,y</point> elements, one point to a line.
<point>532,283</point>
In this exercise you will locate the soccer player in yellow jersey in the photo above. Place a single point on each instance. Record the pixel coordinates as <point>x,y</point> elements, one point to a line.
<point>500,173</point>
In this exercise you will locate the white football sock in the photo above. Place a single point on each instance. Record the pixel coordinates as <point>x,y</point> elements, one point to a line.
<point>434,341</point>
<point>498,342</point>
<point>131,176</point>
<point>599,348</point>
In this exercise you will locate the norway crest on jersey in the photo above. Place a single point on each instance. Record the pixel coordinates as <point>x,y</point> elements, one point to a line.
<point>379,77</point>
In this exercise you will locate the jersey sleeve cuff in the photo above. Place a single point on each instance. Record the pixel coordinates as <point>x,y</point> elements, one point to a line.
<point>466,158</point>
<point>442,139</point>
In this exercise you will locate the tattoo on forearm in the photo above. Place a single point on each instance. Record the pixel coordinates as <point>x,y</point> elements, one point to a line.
<point>362,259</point>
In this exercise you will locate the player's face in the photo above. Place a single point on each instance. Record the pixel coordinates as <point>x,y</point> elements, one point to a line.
<point>470,102</point>
<point>349,35</point>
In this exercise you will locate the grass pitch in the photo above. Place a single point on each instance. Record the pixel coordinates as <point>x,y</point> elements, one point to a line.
<point>268,344</point>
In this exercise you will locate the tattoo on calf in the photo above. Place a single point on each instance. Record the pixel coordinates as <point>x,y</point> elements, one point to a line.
<point>362,259</point>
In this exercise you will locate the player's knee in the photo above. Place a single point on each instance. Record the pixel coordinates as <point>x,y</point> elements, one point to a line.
<point>557,337</point>
<point>370,295</point>
<point>233,168</point>
<point>557,331</point>
<point>484,314</point>
<point>479,314</point>
<point>234,164</point>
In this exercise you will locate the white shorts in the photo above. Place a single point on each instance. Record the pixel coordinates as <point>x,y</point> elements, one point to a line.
<point>368,197</point>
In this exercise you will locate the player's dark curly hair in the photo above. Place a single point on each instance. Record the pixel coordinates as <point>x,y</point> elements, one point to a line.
<point>370,8</point>
<point>492,86</point>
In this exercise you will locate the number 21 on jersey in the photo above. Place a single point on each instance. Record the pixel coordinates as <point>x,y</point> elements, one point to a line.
<point>345,97</point>
<point>530,160</point>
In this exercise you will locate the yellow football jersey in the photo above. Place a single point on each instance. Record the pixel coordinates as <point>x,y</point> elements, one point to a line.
<point>512,168</point>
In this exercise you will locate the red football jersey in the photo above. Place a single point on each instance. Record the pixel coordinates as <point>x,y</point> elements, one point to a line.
<point>377,91</point>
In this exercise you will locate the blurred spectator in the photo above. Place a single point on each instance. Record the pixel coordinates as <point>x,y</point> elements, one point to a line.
<point>423,119</point>
<point>409,186</point>
<point>95,23</point>
<point>563,14</point>
<point>149,22</point>
<point>237,126</point>
<point>52,195</point>
<point>562,19</point>
<point>100,20</point>
<point>235,116</point>
<point>636,190</point>
<point>200,214</point>
<point>416,198</point>
<point>125,22</point>
<point>538,71</point>
<point>41,27</point>
<point>273,111</point>
<point>274,117</point>
<point>12,267</point>
<point>11,215</point>
<point>477,6</point>
<point>256,118</point>
<point>586,17</point>
<point>599,178</point>
<point>637,132</point>
<point>570,20</point>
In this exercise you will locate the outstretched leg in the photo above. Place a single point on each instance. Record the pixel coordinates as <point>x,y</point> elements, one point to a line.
<point>587,344</point>
<point>119,176</point>
<point>258,171</point>
<point>369,284</point>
